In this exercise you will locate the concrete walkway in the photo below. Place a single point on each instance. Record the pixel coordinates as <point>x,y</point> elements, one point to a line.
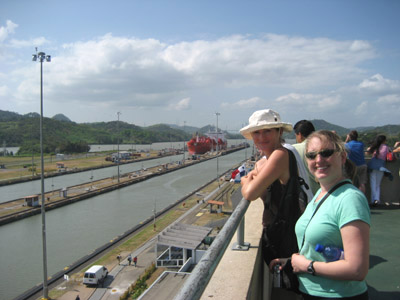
<point>383,278</point>
<point>124,275</point>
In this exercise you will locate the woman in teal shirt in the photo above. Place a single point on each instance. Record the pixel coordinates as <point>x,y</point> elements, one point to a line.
<point>342,220</point>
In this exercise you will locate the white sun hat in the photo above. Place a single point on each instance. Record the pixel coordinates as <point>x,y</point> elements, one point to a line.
<point>264,119</point>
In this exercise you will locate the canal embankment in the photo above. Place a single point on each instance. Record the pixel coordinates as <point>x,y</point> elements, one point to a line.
<point>18,209</point>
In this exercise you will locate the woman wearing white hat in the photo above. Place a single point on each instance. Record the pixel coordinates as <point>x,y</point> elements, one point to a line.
<point>265,129</point>
<point>272,180</point>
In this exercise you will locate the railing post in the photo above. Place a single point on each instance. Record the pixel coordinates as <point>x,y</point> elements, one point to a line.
<point>240,244</point>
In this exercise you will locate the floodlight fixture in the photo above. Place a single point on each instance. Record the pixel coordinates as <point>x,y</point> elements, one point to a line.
<point>34,57</point>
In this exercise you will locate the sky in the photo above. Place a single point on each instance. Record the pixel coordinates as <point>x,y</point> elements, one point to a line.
<point>181,62</point>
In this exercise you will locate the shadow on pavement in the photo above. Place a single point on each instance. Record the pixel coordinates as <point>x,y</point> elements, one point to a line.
<point>380,295</point>
<point>375,260</point>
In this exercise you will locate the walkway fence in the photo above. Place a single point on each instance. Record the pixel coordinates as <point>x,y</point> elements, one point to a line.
<point>197,282</point>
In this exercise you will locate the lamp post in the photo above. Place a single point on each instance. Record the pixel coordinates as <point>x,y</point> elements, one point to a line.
<point>184,125</point>
<point>217,114</point>
<point>118,113</point>
<point>42,57</point>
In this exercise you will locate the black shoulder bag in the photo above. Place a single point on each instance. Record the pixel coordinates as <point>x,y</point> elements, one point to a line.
<point>279,238</point>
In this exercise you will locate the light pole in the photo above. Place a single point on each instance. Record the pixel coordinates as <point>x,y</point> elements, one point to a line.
<point>118,113</point>
<point>217,114</point>
<point>154,215</point>
<point>42,57</point>
<point>184,125</point>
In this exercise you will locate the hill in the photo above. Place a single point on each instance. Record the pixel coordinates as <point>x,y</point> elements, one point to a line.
<point>61,117</point>
<point>63,135</point>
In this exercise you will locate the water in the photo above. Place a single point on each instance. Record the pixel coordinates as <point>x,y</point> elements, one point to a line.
<point>137,147</point>
<point>17,191</point>
<point>77,229</point>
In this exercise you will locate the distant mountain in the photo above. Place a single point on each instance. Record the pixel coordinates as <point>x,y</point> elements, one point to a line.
<point>186,128</point>
<point>61,117</point>
<point>6,116</point>
<point>203,130</point>
<point>321,124</point>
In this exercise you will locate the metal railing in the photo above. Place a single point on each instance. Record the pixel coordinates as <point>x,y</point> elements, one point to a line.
<point>197,282</point>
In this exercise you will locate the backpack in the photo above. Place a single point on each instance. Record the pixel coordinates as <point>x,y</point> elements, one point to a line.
<point>279,238</point>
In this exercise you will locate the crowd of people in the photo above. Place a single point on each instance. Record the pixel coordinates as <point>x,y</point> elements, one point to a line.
<point>338,212</point>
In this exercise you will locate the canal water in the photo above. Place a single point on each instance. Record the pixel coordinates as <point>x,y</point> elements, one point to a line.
<point>17,191</point>
<point>137,147</point>
<point>75,230</point>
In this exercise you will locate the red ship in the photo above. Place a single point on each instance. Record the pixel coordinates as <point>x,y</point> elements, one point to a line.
<point>203,144</point>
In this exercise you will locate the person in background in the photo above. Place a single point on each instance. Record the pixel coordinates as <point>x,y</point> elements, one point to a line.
<point>342,220</point>
<point>271,176</point>
<point>302,130</point>
<point>376,166</point>
<point>396,147</point>
<point>355,151</point>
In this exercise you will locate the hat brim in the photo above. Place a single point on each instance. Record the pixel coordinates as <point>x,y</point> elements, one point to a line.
<point>247,130</point>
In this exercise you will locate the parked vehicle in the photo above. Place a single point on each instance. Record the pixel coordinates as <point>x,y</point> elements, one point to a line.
<point>95,275</point>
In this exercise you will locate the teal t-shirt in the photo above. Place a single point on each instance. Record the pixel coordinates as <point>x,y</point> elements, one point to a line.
<point>344,205</point>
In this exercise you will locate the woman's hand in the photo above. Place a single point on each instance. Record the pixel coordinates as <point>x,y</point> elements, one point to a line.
<point>277,261</point>
<point>299,263</point>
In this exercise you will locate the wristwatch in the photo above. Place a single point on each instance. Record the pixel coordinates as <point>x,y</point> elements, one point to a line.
<point>310,268</point>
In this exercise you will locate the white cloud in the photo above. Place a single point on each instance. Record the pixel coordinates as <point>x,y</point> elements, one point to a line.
<point>7,30</point>
<point>362,109</point>
<point>244,103</point>
<point>390,100</point>
<point>309,102</point>
<point>142,75</point>
<point>4,91</point>
<point>36,42</point>
<point>378,83</point>
<point>360,46</point>
<point>183,104</point>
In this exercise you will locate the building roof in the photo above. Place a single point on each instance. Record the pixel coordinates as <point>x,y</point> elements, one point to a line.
<point>215,202</point>
<point>183,236</point>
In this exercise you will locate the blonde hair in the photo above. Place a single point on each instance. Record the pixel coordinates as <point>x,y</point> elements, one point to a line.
<point>349,168</point>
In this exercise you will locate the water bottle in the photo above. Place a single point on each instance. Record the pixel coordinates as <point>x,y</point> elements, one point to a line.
<point>331,253</point>
<point>277,276</point>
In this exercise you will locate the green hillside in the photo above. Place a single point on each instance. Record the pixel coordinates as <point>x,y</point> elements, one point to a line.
<point>63,135</point>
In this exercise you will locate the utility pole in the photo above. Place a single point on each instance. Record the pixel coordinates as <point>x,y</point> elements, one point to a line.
<point>154,215</point>
<point>184,124</point>
<point>217,114</point>
<point>118,113</point>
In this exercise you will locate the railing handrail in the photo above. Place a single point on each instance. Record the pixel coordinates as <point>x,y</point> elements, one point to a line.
<point>197,282</point>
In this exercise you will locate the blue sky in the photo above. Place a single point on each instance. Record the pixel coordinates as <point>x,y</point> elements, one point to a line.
<point>180,62</point>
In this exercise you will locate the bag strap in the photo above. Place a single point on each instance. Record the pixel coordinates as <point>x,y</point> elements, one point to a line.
<point>319,205</point>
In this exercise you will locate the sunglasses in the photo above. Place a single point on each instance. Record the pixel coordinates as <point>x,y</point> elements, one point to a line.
<point>324,153</point>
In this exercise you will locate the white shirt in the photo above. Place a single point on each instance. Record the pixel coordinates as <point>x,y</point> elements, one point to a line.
<point>302,171</point>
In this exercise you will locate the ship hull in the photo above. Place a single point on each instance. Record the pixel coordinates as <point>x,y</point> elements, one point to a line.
<point>201,147</point>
